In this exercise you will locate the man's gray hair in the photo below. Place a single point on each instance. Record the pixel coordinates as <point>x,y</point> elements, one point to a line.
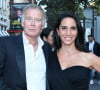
<point>33,6</point>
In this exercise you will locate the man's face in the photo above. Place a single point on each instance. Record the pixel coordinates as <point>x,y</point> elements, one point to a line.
<point>19,12</point>
<point>90,39</point>
<point>33,23</point>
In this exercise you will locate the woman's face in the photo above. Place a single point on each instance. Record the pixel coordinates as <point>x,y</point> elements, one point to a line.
<point>67,31</point>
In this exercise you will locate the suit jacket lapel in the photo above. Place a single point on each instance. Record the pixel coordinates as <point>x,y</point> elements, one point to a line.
<point>46,53</point>
<point>46,50</point>
<point>20,57</point>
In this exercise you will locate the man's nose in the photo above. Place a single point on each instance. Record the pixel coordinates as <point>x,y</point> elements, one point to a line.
<point>33,22</point>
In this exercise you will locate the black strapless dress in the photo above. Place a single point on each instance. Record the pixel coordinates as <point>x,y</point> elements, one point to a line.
<point>72,78</point>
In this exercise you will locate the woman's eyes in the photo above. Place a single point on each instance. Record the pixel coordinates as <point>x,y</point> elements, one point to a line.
<point>73,28</point>
<point>65,27</point>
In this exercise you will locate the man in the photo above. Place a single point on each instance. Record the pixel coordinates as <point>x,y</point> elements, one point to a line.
<point>47,35</point>
<point>94,47</point>
<point>17,19</point>
<point>19,14</point>
<point>23,58</point>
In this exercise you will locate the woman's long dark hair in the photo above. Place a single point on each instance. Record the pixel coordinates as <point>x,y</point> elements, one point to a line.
<point>79,41</point>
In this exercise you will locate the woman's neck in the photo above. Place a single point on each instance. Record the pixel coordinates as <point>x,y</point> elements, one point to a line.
<point>68,49</point>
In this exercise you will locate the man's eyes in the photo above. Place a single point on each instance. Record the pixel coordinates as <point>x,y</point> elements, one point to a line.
<point>30,19</point>
<point>39,20</point>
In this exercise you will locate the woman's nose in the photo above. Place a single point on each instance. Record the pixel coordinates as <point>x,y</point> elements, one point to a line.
<point>68,32</point>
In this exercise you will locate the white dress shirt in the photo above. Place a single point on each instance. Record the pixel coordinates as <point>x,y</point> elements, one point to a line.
<point>91,45</point>
<point>35,66</point>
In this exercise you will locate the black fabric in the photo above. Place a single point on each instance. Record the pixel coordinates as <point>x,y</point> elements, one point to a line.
<point>96,48</point>
<point>72,78</point>
<point>12,63</point>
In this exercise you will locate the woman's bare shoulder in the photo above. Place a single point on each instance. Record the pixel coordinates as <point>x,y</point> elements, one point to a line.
<point>92,60</point>
<point>89,55</point>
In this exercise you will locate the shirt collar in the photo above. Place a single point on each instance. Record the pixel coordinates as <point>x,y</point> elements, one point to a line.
<point>91,42</point>
<point>25,40</point>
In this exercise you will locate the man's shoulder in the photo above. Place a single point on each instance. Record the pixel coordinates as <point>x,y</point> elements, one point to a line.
<point>46,44</point>
<point>9,38</point>
<point>97,44</point>
<point>87,43</point>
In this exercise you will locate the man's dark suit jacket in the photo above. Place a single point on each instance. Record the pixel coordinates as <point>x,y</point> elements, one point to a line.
<point>12,63</point>
<point>96,48</point>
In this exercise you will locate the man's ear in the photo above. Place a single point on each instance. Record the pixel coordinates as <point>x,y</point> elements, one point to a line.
<point>44,38</point>
<point>22,24</point>
<point>57,31</point>
<point>43,26</point>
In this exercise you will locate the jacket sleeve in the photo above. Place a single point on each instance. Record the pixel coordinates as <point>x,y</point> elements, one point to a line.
<point>97,49</point>
<point>3,86</point>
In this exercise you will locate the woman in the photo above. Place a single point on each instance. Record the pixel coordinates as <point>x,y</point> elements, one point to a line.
<point>70,65</point>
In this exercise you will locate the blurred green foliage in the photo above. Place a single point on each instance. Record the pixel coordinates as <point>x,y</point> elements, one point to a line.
<point>55,7</point>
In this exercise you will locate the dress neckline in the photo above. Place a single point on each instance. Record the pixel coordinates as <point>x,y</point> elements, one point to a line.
<point>71,67</point>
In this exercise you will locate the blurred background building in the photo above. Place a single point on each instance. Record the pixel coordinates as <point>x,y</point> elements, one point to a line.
<point>10,14</point>
<point>4,17</point>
